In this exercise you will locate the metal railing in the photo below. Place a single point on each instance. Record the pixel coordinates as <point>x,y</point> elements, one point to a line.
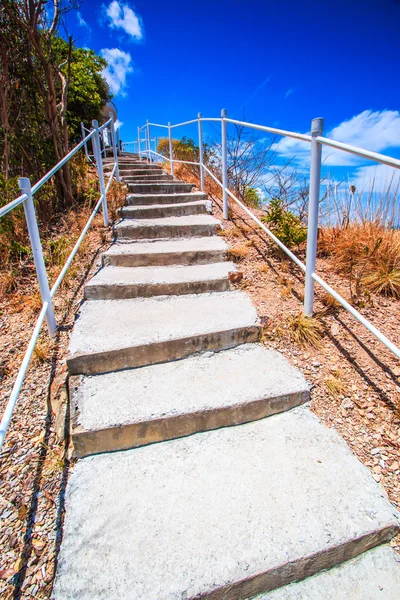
<point>26,199</point>
<point>316,141</point>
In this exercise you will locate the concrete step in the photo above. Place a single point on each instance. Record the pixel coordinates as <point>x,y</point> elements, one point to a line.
<point>224,514</point>
<point>142,282</point>
<point>130,171</point>
<point>149,180</point>
<point>141,199</point>
<point>160,188</point>
<point>136,407</point>
<point>373,575</point>
<point>147,177</point>
<point>128,168</point>
<point>168,227</point>
<point>186,251</point>
<point>157,211</point>
<point>117,334</point>
<point>121,161</point>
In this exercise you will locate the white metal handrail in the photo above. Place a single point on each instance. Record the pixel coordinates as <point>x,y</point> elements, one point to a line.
<point>26,198</point>
<point>316,141</point>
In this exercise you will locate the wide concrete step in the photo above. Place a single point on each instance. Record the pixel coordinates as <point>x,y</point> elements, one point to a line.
<point>136,168</point>
<point>156,211</point>
<point>122,161</point>
<point>223,514</point>
<point>160,188</point>
<point>127,172</point>
<point>117,334</point>
<point>168,227</point>
<point>141,199</point>
<point>149,180</point>
<point>186,251</point>
<point>145,177</point>
<point>136,407</point>
<point>142,282</point>
<point>373,575</point>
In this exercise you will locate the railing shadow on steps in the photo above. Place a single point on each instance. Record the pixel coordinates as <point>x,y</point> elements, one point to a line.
<point>100,138</point>
<point>316,141</point>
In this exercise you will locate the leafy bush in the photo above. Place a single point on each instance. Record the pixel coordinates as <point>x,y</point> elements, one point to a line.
<point>287,227</point>
<point>252,198</point>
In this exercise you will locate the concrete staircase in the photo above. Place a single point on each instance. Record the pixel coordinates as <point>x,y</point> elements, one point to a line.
<point>245,494</point>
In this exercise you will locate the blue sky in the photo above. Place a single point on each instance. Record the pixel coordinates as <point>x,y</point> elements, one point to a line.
<point>278,63</point>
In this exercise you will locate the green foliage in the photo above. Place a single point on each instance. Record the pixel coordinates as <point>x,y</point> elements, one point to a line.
<point>88,90</point>
<point>287,227</point>
<point>252,198</point>
<point>184,149</point>
<point>26,142</point>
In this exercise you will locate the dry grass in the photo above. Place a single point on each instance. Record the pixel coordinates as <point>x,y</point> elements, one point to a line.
<point>335,385</point>
<point>263,268</point>
<point>329,301</point>
<point>59,233</point>
<point>304,331</point>
<point>238,252</point>
<point>368,254</point>
<point>384,280</point>
<point>43,350</point>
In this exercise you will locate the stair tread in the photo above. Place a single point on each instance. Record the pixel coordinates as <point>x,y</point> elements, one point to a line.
<point>107,325</point>
<point>172,221</point>
<point>150,207</point>
<point>115,276</point>
<point>199,383</point>
<point>240,509</point>
<point>165,246</point>
<point>194,195</point>
<point>373,575</point>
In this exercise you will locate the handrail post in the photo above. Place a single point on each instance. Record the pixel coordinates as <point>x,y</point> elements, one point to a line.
<point>99,164</point>
<point>148,141</point>
<point>83,137</point>
<point>200,129</point>
<point>317,128</point>
<point>171,153</point>
<point>36,245</point>
<point>112,127</point>
<point>224,148</point>
<point>139,144</point>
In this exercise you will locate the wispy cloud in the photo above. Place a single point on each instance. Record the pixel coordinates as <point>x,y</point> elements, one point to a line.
<point>121,16</point>
<point>374,130</point>
<point>81,21</point>
<point>289,92</point>
<point>257,90</point>
<point>119,67</point>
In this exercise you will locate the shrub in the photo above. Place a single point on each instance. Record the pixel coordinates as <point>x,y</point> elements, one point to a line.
<point>252,198</point>
<point>287,227</point>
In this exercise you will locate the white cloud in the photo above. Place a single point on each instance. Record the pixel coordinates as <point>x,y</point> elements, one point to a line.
<point>288,92</point>
<point>373,130</point>
<point>119,66</point>
<point>377,178</point>
<point>118,124</point>
<point>81,21</point>
<point>121,16</point>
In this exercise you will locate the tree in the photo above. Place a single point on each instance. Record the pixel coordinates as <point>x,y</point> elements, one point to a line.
<point>47,87</point>
<point>88,90</point>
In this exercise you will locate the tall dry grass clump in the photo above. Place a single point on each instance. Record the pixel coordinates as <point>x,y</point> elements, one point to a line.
<point>367,253</point>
